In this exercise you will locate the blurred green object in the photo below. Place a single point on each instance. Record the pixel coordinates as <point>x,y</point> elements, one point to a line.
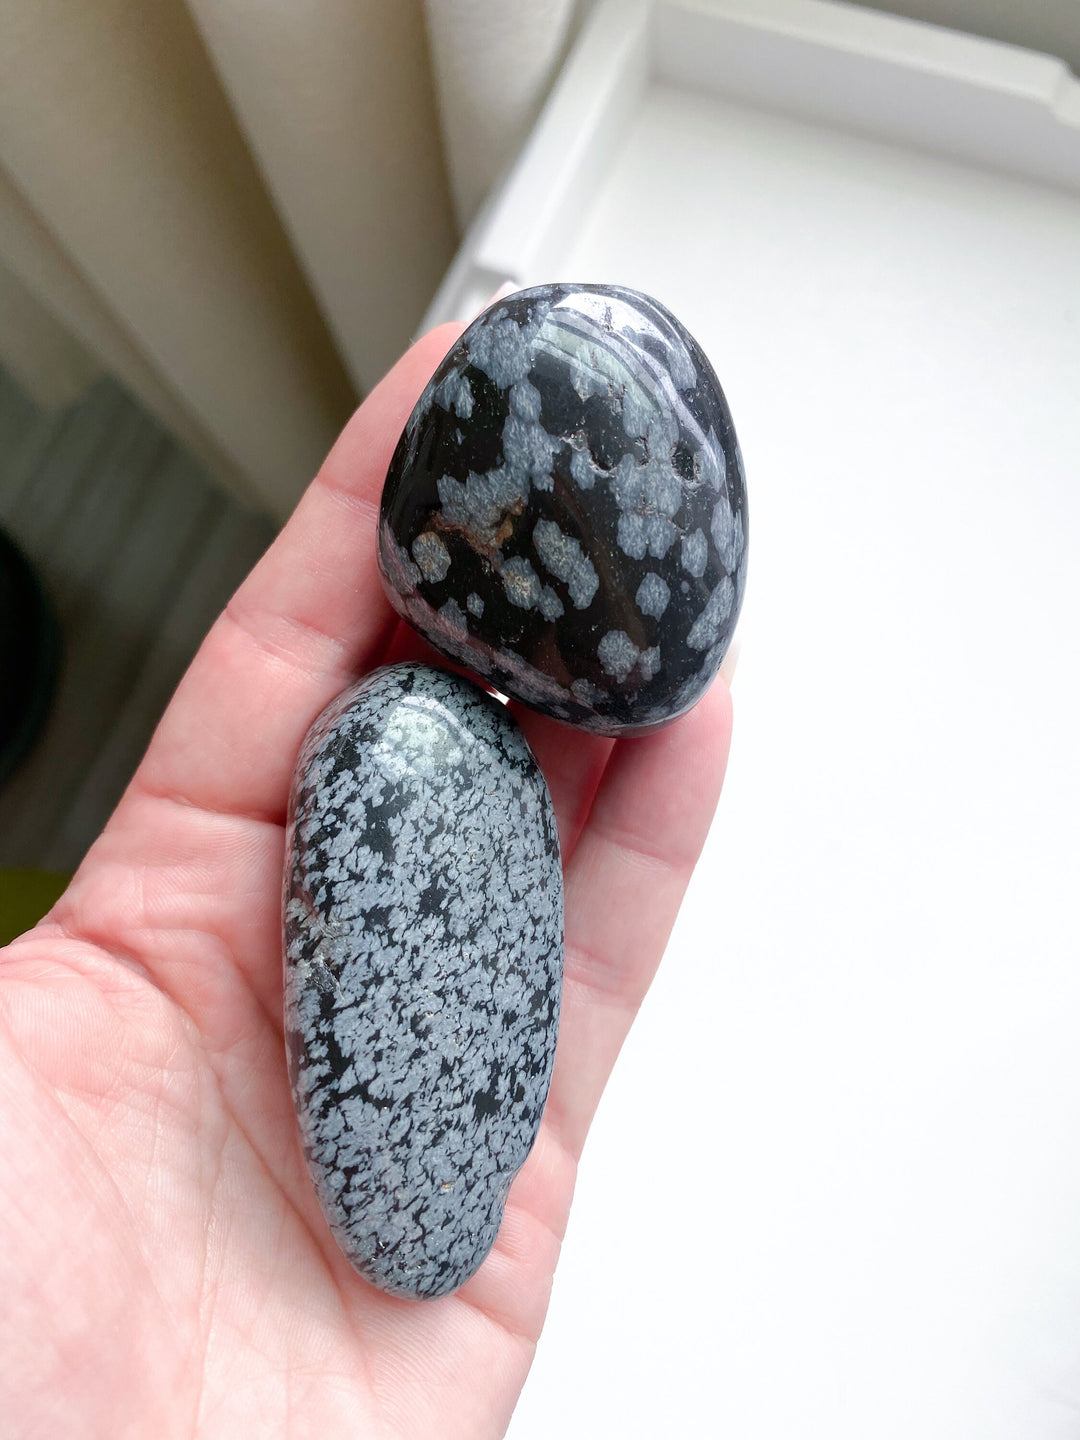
<point>25,896</point>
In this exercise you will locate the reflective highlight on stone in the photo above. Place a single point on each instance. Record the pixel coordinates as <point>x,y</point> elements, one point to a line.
<point>423,966</point>
<point>565,512</point>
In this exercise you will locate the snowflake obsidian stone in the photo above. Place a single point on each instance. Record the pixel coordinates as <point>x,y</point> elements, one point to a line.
<point>423,965</point>
<point>565,512</point>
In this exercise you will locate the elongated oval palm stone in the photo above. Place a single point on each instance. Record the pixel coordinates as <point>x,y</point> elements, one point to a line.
<point>423,964</point>
<point>565,512</point>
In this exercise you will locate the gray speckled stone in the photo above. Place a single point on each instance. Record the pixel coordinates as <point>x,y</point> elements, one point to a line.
<point>423,965</point>
<point>565,512</point>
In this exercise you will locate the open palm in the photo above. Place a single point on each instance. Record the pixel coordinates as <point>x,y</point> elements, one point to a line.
<point>165,1267</point>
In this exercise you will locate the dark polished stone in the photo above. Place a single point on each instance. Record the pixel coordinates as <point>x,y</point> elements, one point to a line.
<point>565,512</point>
<point>423,966</point>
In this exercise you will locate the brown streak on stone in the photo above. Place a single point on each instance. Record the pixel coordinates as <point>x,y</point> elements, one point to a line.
<point>487,543</point>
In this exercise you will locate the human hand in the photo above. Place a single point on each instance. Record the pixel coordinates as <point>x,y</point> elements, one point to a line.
<point>165,1265</point>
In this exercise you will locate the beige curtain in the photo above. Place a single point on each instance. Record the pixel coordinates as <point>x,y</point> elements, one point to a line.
<point>242,210</point>
<point>494,61</point>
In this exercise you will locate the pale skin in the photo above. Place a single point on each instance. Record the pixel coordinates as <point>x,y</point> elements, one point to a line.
<point>165,1269</point>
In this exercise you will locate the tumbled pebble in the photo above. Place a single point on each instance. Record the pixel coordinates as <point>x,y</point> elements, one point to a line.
<point>423,965</point>
<point>565,512</point>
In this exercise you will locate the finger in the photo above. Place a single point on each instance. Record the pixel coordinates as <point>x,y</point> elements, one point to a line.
<point>309,618</point>
<point>573,763</point>
<point>624,884</point>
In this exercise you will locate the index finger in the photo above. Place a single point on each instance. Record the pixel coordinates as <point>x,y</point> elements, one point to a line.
<point>308,619</point>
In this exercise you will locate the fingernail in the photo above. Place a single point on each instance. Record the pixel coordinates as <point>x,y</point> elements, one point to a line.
<point>730,660</point>
<point>506,288</point>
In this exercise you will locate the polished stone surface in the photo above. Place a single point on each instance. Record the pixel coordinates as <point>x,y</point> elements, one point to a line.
<point>565,512</point>
<point>423,966</point>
